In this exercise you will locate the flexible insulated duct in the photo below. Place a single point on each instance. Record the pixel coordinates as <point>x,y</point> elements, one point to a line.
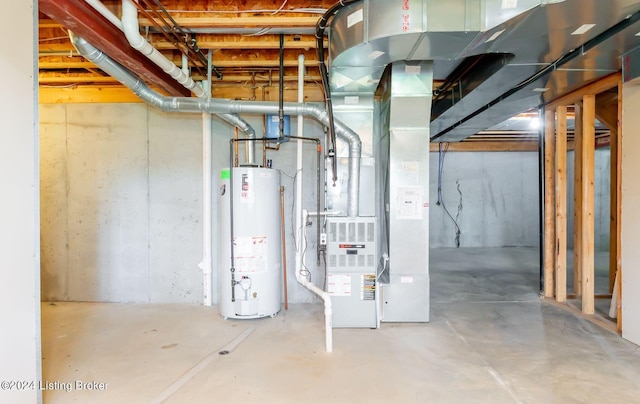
<point>226,106</point>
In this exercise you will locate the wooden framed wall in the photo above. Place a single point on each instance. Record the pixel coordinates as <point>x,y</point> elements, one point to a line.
<point>588,106</point>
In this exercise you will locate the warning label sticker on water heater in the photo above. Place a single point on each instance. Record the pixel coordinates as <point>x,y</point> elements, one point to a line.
<point>250,254</point>
<point>246,192</point>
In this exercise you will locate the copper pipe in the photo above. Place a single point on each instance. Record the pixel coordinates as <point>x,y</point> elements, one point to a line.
<point>235,155</point>
<point>264,153</point>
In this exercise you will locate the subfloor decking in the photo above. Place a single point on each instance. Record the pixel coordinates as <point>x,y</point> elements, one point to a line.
<point>490,340</point>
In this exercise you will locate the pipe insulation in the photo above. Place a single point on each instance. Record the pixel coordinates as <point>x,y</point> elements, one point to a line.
<point>226,106</point>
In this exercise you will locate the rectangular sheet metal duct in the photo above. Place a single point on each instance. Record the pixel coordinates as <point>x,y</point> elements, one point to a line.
<point>404,157</point>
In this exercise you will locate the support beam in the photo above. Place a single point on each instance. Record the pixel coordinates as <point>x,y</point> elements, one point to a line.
<point>489,146</point>
<point>549,203</point>
<point>604,84</point>
<point>577,201</point>
<point>615,249</point>
<point>614,214</point>
<point>587,207</point>
<point>85,21</point>
<point>561,205</point>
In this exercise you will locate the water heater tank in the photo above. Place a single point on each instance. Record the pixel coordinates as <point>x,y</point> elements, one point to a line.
<point>255,288</point>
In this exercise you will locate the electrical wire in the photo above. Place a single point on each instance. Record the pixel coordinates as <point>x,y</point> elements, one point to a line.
<point>304,271</point>
<point>281,7</point>
<point>440,202</point>
<point>260,32</point>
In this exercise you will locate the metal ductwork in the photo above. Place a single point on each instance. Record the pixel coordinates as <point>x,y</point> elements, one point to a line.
<point>533,39</point>
<point>225,107</point>
<point>406,93</point>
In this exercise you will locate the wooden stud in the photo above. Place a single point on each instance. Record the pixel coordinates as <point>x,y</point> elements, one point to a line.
<point>587,208</point>
<point>549,203</point>
<point>614,236</point>
<point>577,201</point>
<point>561,205</point>
<point>618,214</point>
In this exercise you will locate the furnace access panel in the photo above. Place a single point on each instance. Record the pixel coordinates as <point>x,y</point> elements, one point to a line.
<point>351,271</point>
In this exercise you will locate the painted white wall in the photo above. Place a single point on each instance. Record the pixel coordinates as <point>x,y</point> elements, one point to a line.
<point>19,252</point>
<point>631,212</point>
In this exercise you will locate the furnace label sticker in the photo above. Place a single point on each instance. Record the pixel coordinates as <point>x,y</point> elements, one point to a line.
<point>368,290</point>
<point>409,203</point>
<point>250,254</point>
<point>339,285</point>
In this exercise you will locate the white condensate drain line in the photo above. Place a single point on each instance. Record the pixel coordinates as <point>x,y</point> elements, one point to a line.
<point>193,372</point>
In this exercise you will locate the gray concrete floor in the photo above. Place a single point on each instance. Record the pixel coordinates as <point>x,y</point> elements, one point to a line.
<point>491,340</point>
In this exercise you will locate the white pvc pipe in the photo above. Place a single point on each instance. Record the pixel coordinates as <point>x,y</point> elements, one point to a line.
<point>132,32</point>
<point>102,9</point>
<point>207,201</point>
<point>328,311</point>
<point>299,179</point>
<point>185,64</point>
<point>301,220</point>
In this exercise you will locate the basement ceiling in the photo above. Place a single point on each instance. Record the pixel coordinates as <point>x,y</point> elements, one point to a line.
<point>243,36</point>
<point>243,39</point>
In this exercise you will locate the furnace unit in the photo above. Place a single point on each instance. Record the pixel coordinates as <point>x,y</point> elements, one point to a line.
<point>351,271</point>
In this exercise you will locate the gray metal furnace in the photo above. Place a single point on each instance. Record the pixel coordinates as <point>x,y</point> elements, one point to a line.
<point>351,271</point>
